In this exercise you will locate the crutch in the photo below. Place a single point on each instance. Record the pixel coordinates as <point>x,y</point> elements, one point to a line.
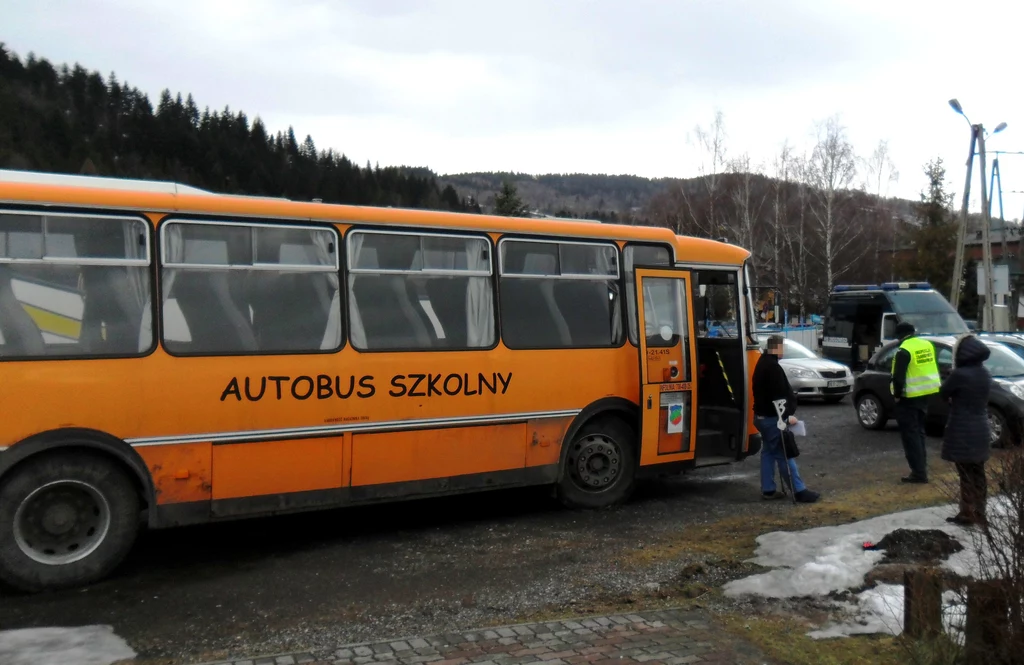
<point>784,473</point>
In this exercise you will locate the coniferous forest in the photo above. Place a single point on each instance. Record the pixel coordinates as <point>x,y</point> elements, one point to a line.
<point>70,120</point>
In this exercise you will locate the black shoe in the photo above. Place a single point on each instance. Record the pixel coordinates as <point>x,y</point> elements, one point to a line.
<point>807,496</point>
<point>914,479</point>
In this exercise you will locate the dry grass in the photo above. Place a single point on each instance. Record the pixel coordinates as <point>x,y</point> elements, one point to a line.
<point>785,640</point>
<point>733,539</point>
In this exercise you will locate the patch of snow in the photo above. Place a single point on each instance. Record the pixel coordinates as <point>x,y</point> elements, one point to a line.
<point>84,645</point>
<point>878,610</point>
<point>819,561</point>
<point>823,560</point>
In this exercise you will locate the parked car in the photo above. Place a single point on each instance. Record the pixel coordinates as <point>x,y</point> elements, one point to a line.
<point>1013,341</point>
<point>812,377</point>
<point>875,405</point>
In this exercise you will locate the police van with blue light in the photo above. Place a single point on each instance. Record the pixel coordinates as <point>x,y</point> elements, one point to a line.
<point>861,318</point>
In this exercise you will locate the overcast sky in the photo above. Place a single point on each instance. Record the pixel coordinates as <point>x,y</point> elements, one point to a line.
<point>596,86</point>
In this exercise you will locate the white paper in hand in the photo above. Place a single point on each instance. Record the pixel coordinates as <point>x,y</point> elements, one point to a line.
<point>799,429</point>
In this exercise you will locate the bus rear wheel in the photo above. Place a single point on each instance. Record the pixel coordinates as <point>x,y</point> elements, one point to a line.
<point>66,520</point>
<point>600,465</point>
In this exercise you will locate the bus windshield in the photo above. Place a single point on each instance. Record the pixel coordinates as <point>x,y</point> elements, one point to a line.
<point>928,311</point>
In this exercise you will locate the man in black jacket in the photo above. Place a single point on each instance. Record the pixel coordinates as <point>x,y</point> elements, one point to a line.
<point>771,385</point>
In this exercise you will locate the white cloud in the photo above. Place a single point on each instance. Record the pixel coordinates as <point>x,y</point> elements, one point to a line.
<point>589,85</point>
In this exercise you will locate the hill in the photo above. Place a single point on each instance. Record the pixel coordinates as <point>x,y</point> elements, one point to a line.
<point>69,120</point>
<point>609,198</point>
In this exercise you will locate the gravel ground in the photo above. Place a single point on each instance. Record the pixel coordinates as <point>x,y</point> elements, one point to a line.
<point>314,581</point>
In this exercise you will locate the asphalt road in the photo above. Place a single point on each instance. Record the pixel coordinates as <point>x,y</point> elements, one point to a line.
<point>322,579</point>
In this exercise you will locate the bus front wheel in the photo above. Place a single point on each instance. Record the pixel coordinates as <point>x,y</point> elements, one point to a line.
<point>66,520</point>
<point>600,465</point>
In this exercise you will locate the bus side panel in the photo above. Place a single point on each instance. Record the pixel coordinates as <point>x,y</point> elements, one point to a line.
<point>394,457</point>
<point>544,440</point>
<point>181,473</point>
<point>277,467</point>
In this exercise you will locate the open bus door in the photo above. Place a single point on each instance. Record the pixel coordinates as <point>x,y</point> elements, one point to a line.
<point>668,365</point>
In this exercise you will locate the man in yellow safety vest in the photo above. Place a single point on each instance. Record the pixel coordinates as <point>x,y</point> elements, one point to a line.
<point>915,378</point>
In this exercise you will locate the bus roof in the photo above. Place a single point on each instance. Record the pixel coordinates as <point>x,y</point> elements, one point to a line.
<point>30,188</point>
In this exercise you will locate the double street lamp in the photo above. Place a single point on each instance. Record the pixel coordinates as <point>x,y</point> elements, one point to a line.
<point>977,146</point>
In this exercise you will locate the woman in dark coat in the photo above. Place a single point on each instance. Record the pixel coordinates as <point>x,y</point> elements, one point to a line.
<point>966,442</point>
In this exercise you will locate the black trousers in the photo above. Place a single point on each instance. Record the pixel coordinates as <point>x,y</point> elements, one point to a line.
<point>973,490</point>
<point>910,415</point>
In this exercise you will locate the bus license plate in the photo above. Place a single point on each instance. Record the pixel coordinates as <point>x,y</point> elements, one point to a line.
<point>837,384</point>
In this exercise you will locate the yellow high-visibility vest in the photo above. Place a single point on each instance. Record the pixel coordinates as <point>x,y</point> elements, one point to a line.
<point>922,372</point>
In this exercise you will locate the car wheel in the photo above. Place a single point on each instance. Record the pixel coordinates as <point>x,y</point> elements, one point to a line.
<point>871,412</point>
<point>999,431</point>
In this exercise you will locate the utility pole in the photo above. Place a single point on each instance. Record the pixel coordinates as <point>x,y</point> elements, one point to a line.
<point>958,263</point>
<point>986,240</point>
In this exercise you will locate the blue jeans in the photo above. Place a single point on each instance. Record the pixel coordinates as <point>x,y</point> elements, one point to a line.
<point>773,454</point>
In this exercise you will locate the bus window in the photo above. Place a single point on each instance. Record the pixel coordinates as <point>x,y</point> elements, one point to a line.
<point>249,288</point>
<point>640,255</point>
<point>559,295</point>
<point>420,291</point>
<point>74,285</point>
<point>716,304</point>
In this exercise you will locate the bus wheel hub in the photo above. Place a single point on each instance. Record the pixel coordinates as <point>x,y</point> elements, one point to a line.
<point>61,522</point>
<point>598,462</point>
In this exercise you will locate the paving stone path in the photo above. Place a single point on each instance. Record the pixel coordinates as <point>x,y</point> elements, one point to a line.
<point>671,637</point>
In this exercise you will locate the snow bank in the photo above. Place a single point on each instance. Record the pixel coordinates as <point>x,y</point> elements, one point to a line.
<point>85,645</point>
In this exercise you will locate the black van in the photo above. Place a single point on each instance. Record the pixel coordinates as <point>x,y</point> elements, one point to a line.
<point>860,318</point>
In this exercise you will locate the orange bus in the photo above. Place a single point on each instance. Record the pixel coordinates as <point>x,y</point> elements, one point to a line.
<point>170,356</point>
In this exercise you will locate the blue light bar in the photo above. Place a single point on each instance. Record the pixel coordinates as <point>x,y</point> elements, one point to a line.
<point>855,287</point>
<point>901,286</point>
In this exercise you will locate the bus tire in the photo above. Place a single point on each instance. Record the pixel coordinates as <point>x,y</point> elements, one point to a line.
<point>600,465</point>
<point>66,520</point>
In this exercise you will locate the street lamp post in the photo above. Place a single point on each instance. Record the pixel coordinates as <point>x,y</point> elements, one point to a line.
<point>977,142</point>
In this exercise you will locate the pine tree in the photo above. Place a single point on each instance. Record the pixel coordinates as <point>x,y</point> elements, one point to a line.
<point>934,238</point>
<point>507,202</point>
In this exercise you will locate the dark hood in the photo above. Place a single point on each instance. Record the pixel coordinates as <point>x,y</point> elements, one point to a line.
<point>970,351</point>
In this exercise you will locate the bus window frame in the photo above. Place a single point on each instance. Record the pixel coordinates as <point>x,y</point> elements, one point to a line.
<point>625,285</point>
<point>557,240</point>
<point>415,231</point>
<point>151,262</point>
<point>274,223</point>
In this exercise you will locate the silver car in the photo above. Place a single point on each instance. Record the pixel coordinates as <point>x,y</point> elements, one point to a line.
<point>812,377</point>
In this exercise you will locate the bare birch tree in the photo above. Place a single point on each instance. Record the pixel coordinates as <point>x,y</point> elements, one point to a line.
<point>833,168</point>
<point>748,200</point>
<point>880,175</point>
<point>711,144</point>
<point>781,174</point>
<point>797,236</point>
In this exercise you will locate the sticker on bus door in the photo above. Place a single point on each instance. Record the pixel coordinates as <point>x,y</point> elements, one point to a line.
<point>675,418</point>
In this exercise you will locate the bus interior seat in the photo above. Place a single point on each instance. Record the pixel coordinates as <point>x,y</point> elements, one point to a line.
<point>388,315</point>
<point>22,336</point>
<point>112,317</point>
<point>591,322</point>
<point>447,297</point>
<point>215,322</point>
<point>289,311</point>
<point>546,327</point>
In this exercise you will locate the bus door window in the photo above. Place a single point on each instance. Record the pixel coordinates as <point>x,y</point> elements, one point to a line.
<point>667,344</point>
<point>640,255</point>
